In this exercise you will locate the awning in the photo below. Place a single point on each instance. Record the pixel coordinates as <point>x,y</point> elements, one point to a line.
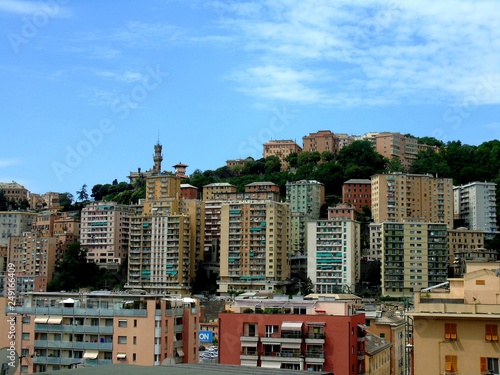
<point>248,362</point>
<point>67,300</point>
<point>290,345</point>
<point>121,356</point>
<point>55,320</point>
<point>90,354</point>
<point>291,326</point>
<point>270,364</point>
<point>180,352</point>
<point>41,319</point>
<point>249,344</point>
<point>316,324</point>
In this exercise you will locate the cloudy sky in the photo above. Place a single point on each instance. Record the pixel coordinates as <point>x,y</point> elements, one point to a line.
<point>88,87</point>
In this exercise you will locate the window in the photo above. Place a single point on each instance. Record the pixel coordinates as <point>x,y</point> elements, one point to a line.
<point>489,365</point>
<point>135,322</point>
<point>122,339</point>
<point>450,331</point>
<point>122,323</point>
<point>270,330</point>
<point>451,363</point>
<point>491,332</point>
<point>135,340</point>
<point>382,335</point>
<point>134,357</point>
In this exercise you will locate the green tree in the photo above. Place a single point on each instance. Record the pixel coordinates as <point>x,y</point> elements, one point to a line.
<point>272,165</point>
<point>3,201</point>
<point>291,159</point>
<point>308,157</point>
<point>74,271</point>
<point>82,194</point>
<point>395,165</point>
<point>307,287</point>
<point>360,160</point>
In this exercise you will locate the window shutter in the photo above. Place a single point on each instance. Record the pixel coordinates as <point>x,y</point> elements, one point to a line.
<point>484,364</point>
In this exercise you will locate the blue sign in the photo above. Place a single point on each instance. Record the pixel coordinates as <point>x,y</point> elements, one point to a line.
<point>206,336</point>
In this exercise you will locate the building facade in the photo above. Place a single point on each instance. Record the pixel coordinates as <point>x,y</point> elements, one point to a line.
<point>105,232</point>
<point>281,149</point>
<point>357,193</point>
<point>13,223</point>
<point>305,337</point>
<point>64,330</point>
<point>398,196</point>
<point>475,204</point>
<point>456,329</point>
<point>333,255</point>
<point>254,245</point>
<point>413,255</point>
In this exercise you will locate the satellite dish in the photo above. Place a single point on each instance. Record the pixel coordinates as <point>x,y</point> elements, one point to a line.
<point>9,360</point>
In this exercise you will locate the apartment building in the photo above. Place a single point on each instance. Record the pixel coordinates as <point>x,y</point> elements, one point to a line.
<point>13,190</point>
<point>104,233</point>
<point>281,149</point>
<point>375,250</point>
<point>333,255</point>
<point>395,145</point>
<point>63,330</point>
<point>305,198</point>
<point>413,255</point>
<point>398,196</point>
<point>378,355</point>
<point>189,191</point>
<point>455,330</point>
<point>294,334</point>
<point>218,191</point>
<point>475,205</point>
<point>464,257</point>
<point>14,223</point>
<point>390,326</point>
<point>358,193</point>
<point>321,141</point>
<point>34,258</point>
<point>341,210</point>
<point>462,240</point>
<point>254,245</point>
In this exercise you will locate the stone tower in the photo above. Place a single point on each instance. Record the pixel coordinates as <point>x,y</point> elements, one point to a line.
<point>157,158</point>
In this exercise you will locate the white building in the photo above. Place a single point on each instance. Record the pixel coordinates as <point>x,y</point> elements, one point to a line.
<point>476,204</point>
<point>333,255</point>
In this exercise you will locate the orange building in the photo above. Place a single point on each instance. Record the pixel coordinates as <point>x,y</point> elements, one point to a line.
<point>63,330</point>
<point>358,193</point>
<point>281,149</point>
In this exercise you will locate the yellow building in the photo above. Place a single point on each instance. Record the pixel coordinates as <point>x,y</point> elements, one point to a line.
<point>218,191</point>
<point>254,246</point>
<point>55,331</point>
<point>281,149</point>
<point>456,329</point>
<point>13,190</point>
<point>377,355</point>
<point>398,196</point>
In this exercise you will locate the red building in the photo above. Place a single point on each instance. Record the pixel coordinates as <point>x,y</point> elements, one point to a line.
<point>294,340</point>
<point>189,191</point>
<point>358,193</point>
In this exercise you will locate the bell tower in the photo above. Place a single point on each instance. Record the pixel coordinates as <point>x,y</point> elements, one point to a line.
<point>157,158</point>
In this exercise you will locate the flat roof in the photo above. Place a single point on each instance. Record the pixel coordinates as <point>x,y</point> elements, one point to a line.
<point>180,369</point>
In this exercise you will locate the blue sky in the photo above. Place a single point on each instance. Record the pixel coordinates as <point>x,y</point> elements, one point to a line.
<point>87,87</point>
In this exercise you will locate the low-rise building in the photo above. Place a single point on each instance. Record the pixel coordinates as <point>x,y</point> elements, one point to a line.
<point>63,330</point>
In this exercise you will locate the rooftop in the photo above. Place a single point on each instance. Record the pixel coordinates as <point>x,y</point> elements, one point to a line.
<point>180,369</point>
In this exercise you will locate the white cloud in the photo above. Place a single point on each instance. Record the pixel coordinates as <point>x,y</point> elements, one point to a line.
<point>51,9</point>
<point>426,51</point>
<point>10,162</point>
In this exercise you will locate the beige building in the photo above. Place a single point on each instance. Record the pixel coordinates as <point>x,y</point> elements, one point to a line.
<point>254,246</point>
<point>13,190</point>
<point>398,196</point>
<point>325,140</point>
<point>456,329</point>
<point>281,149</point>
<point>166,238</point>
<point>395,145</point>
<point>13,223</point>
<point>413,255</point>
<point>63,330</point>
<point>377,355</point>
<point>218,191</point>
<point>462,240</point>
<point>104,233</point>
